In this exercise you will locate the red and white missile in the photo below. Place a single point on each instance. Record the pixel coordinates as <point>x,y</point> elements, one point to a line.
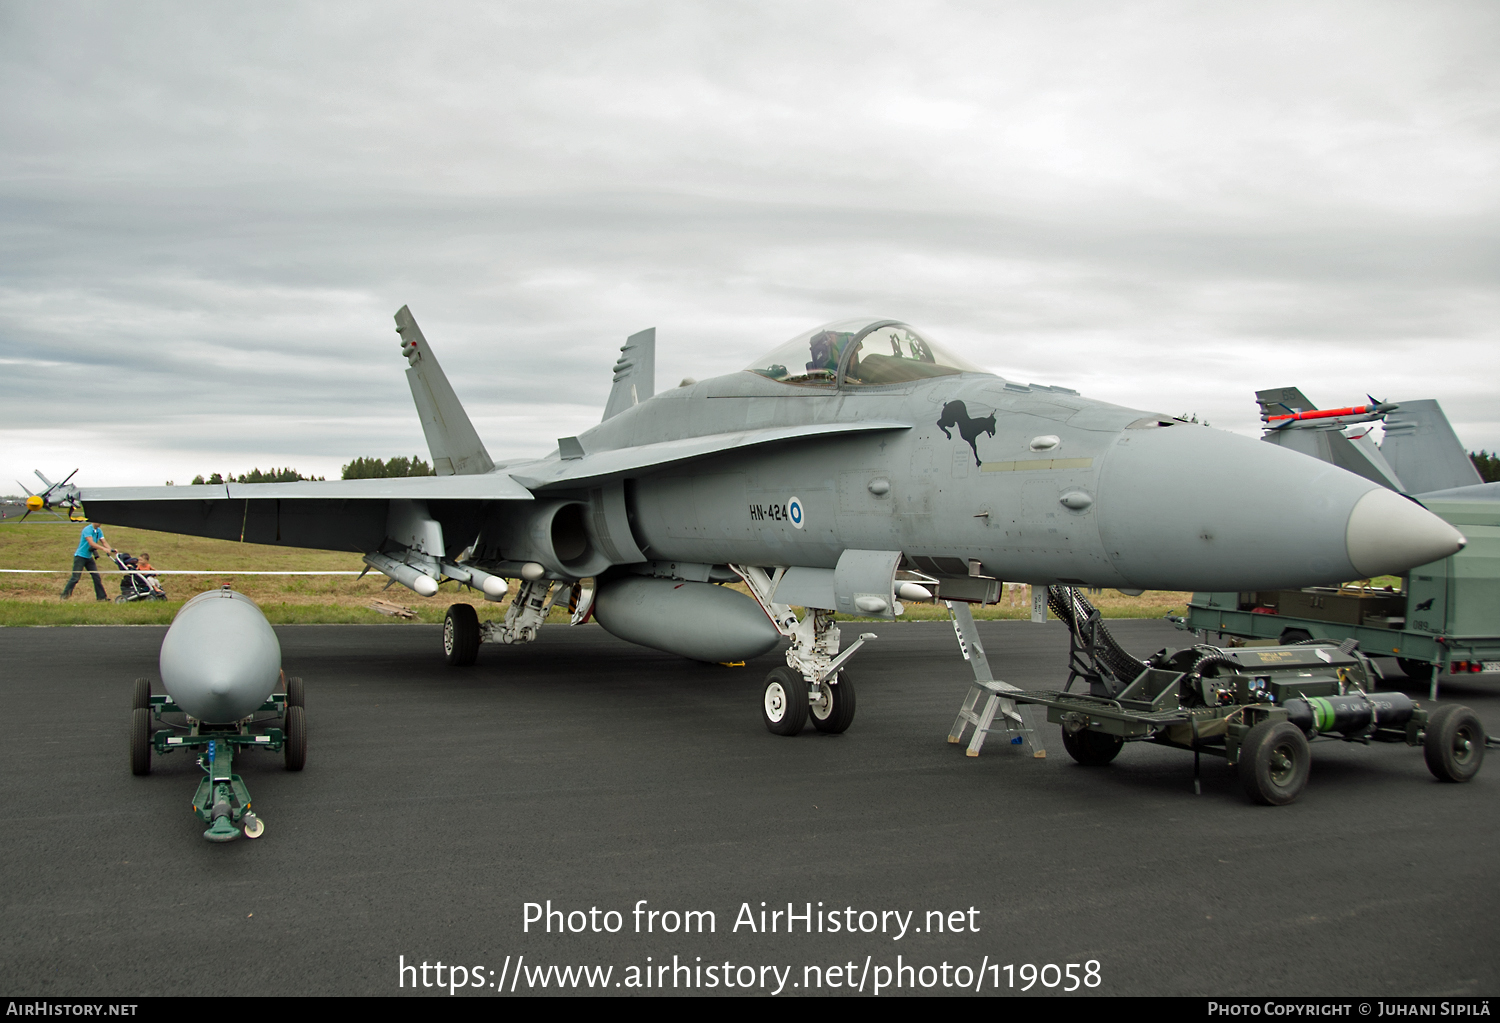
<point>1373,409</point>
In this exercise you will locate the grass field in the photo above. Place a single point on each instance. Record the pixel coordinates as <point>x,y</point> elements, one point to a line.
<point>48,545</point>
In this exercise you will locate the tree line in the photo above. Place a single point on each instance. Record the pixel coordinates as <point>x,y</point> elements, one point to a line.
<point>272,475</point>
<point>1488,465</point>
<point>359,469</point>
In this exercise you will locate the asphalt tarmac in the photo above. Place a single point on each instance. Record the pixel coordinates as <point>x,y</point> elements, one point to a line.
<point>438,802</point>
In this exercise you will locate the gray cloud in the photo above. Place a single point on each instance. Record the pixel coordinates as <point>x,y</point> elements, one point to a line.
<point>212,211</point>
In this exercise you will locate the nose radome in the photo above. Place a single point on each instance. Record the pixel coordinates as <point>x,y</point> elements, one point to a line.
<point>1388,534</point>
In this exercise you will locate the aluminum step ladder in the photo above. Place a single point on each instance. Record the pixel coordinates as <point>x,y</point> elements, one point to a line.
<point>1018,722</point>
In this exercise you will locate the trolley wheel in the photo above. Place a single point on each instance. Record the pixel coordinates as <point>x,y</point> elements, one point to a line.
<point>294,693</point>
<point>294,743</point>
<point>1090,748</point>
<point>461,635</point>
<point>1417,671</point>
<point>1454,746</point>
<point>142,694</point>
<point>140,741</point>
<point>784,702</point>
<point>1274,763</point>
<point>254,826</point>
<point>1289,636</point>
<point>833,711</point>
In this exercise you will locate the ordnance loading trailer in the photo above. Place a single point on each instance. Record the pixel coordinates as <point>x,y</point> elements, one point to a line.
<point>1257,707</point>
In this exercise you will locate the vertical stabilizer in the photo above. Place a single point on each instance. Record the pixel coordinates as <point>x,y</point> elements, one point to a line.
<point>635,373</point>
<point>451,440</point>
<point>1278,401</point>
<point>1360,456</point>
<point>1422,447</point>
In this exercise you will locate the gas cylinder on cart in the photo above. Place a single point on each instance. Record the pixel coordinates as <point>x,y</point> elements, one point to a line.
<point>1353,714</point>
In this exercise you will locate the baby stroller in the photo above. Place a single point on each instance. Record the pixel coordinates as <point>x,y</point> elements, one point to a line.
<point>135,585</point>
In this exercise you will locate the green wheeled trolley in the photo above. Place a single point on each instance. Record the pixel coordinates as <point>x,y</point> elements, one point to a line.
<point>1260,708</point>
<point>222,800</point>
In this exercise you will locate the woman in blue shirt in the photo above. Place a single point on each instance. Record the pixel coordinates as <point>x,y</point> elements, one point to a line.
<point>91,541</point>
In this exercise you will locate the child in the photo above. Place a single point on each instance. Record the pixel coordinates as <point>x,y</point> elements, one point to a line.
<point>148,573</point>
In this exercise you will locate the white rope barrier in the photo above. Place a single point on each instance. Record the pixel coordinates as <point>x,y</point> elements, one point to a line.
<point>158,571</point>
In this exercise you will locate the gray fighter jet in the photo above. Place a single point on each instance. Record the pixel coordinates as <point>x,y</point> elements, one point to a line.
<point>857,465</point>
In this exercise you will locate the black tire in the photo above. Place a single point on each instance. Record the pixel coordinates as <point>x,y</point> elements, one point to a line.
<point>1417,671</point>
<point>1454,746</point>
<point>142,694</point>
<point>783,706</point>
<point>1090,748</point>
<point>833,712</point>
<point>294,742</point>
<point>294,694</point>
<point>461,635</point>
<point>140,741</point>
<point>1289,636</point>
<point>1274,763</point>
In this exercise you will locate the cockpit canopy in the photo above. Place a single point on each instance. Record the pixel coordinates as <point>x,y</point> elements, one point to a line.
<point>860,353</point>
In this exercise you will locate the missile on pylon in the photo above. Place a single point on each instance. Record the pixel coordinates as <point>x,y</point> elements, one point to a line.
<point>1352,413</point>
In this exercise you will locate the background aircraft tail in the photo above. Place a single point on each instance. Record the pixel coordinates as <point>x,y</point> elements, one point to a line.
<point>1423,449</point>
<point>1420,453</point>
<point>1360,456</point>
<point>451,439</point>
<point>1275,401</point>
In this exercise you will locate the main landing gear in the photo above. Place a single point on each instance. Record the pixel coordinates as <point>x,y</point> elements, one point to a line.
<point>463,632</point>
<point>813,684</point>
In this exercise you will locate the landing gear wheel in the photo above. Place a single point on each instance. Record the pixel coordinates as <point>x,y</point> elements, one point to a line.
<point>294,692</point>
<point>1274,763</point>
<point>140,741</point>
<point>1290,636</point>
<point>142,694</point>
<point>1454,747</point>
<point>1417,671</point>
<point>254,826</point>
<point>461,635</point>
<point>784,703</point>
<point>294,743</point>
<point>1092,749</point>
<point>833,711</point>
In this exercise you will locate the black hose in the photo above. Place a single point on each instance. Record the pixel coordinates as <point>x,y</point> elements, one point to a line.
<point>1211,660</point>
<point>1075,609</point>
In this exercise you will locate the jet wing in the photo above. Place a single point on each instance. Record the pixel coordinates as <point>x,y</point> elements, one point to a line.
<point>352,515</point>
<point>603,465</point>
<point>328,514</point>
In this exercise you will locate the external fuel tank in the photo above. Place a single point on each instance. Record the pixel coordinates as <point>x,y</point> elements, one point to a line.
<point>700,621</point>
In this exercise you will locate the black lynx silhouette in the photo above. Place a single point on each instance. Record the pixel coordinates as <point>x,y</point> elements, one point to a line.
<point>955,413</point>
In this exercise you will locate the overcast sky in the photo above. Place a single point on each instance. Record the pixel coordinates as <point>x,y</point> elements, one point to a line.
<point>211,211</point>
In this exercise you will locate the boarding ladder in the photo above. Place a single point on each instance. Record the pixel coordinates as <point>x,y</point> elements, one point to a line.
<point>1018,722</point>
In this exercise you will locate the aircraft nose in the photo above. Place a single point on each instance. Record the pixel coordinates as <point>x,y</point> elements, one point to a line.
<point>1191,508</point>
<point>1388,534</point>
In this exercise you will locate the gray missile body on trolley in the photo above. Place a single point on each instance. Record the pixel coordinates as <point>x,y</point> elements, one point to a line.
<point>220,664</point>
<point>220,660</point>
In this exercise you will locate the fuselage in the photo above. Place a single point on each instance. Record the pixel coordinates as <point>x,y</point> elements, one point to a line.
<point>1033,483</point>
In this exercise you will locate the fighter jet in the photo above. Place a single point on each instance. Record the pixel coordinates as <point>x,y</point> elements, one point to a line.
<point>853,467</point>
